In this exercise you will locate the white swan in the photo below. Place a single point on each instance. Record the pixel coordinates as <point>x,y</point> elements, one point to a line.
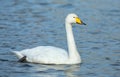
<point>51,54</point>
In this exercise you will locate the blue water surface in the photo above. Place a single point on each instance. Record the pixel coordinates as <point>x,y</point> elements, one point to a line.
<point>30,23</point>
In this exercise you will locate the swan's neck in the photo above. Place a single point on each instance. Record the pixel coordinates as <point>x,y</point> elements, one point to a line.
<point>73,53</point>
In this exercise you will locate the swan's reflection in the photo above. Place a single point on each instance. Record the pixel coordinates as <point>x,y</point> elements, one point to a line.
<point>57,70</point>
<point>71,69</point>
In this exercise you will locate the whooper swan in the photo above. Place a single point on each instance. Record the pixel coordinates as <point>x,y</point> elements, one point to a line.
<point>51,54</point>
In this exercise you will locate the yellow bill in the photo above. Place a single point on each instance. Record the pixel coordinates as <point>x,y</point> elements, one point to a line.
<point>78,21</point>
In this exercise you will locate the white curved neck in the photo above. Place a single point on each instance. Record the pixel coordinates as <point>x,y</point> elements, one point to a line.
<point>73,53</point>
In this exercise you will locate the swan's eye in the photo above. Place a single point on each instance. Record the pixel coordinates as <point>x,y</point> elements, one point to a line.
<point>73,17</point>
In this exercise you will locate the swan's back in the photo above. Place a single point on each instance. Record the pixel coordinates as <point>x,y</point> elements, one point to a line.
<point>45,54</point>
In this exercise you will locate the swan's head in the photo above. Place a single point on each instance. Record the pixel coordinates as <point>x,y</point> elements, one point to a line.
<point>73,18</point>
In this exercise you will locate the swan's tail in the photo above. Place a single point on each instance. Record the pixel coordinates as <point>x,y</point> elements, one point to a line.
<point>18,54</point>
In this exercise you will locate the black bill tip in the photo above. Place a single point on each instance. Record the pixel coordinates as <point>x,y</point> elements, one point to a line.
<point>83,23</point>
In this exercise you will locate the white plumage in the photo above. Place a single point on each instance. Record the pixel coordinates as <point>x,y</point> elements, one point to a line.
<point>55,55</point>
<point>44,54</point>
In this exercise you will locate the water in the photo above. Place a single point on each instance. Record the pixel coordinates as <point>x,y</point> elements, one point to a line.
<point>30,23</point>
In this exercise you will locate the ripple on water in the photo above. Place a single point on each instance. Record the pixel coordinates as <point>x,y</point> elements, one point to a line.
<point>3,27</point>
<point>95,48</point>
<point>25,65</point>
<point>116,64</point>
<point>66,6</point>
<point>3,60</point>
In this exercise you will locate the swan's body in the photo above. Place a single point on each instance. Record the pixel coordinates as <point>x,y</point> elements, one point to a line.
<point>54,55</point>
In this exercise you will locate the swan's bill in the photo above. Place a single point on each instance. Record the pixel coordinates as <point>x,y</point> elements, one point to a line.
<point>79,21</point>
